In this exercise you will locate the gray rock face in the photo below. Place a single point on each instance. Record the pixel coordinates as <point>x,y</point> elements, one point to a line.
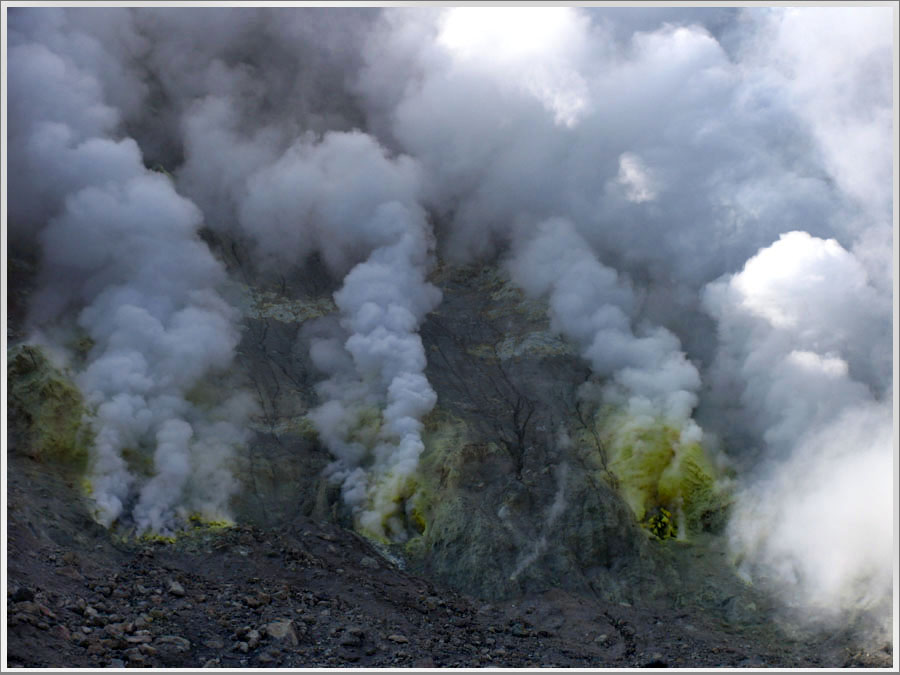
<point>507,507</point>
<point>508,500</point>
<point>515,508</point>
<point>280,469</point>
<point>495,535</point>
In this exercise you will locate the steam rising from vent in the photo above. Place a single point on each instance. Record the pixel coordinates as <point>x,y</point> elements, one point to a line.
<point>696,145</point>
<point>591,306</point>
<point>344,198</point>
<point>121,258</point>
<point>731,168</point>
<point>382,302</point>
<point>789,324</point>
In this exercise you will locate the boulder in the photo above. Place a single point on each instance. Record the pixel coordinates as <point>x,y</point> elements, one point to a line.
<point>282,631</point>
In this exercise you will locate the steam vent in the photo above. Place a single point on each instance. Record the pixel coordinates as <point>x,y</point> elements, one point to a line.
<point>450,337</point>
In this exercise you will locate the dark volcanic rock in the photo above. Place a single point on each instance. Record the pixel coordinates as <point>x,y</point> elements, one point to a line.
<point>509,515</point>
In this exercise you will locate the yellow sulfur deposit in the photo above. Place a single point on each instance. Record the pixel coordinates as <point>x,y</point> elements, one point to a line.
<point>397,504</point>
<point>670,485</point>
<point>197,529</point>
<point>154,538</point>
<point>50,406</point>
<point>394,510</point>
<point>662,524</point>
<point>198,520</point>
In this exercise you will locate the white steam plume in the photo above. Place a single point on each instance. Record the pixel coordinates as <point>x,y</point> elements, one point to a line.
<point>699,139</point>
<point>675,148</point>
<point>382,302</point>
<point>120,252</point>
<point>678,142</point>
<point>591,306</point>
<point>291,192</point>
<point>805,338</point>
<point>346,199</point>
<point>810,338</point>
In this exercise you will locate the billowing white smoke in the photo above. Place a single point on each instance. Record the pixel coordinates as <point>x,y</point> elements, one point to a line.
<point>809,338</point>
<point>805,333</point>
<point>678,155</point>
<point>257,171</point>
<point>120,251</point>
<point>833,67</point>
<point>382,302</point>
<point>678,144</point>
<point>260,160</point>
<point>672,147</point>
<point>344,198</point>
<point>589,304</point>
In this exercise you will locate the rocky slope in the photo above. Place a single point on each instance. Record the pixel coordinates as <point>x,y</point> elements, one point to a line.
<point>314,595</point>
<point>523,549</point>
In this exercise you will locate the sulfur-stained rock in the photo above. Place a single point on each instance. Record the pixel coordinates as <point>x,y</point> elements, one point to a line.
<point>47,406</point>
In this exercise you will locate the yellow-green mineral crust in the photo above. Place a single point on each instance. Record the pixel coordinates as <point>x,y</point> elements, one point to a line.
<point>49,404</point>
<point>671,485</point>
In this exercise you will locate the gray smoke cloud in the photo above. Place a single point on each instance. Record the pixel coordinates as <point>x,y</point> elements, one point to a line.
<point>726,180</point>
<point>345,199</point>
<point>588,304</point>
<point>820,390</point>
<point>731,166</point>
<point>704,195</point>
<point>805,334</point>
<point>121,259</point>
<point>382,303</point>
<point>289,177</point>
